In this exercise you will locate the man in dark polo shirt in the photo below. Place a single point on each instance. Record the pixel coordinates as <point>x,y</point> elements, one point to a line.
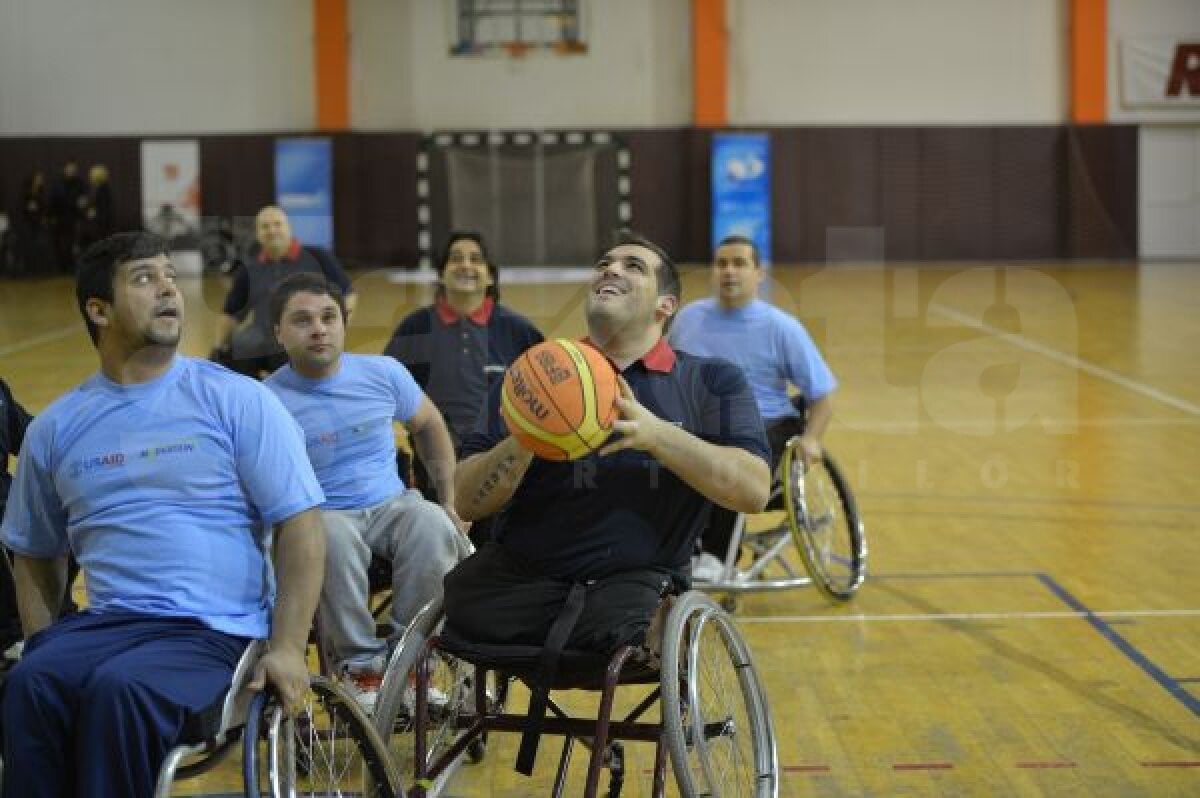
<point>460,346</point>
<point>245,338</point>
<point>608,535</point>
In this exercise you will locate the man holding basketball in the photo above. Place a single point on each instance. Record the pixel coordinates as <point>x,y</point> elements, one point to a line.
<point>608,535</point>
<point>346,403</point>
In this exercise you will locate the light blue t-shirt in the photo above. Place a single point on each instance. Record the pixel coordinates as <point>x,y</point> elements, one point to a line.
<point>165,491</point>
<point>772,348</point>
<point>347,421</point>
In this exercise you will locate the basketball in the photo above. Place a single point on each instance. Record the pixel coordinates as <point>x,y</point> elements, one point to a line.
<point>559,399</point>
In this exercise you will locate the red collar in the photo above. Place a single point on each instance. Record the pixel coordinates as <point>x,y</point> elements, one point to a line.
<point>480,316</point>
<point>293,252</point>
<point>660,358</point>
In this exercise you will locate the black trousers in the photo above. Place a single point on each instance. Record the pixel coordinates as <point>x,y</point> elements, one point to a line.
<point>492,597</point>
<point>720,525</point>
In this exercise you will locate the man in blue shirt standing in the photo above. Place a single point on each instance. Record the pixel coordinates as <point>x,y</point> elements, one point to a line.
<point>346,404</point>
<point>164,476</point>
<point>775,352</point>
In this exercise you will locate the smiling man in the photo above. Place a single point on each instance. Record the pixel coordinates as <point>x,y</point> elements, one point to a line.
<point>163,476</point>
<point>460,346</point>
<point>245,342</point>
<point>614,530</point>
<point>346,404</point>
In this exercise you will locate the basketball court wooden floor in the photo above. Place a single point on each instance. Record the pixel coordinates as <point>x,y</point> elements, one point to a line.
<point>1023,442</point>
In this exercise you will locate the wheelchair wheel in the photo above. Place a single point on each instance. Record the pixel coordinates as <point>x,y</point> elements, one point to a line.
<point>451,698</point>
<point>718,726</point>
<point>823,517</point>
<point>329,748</point>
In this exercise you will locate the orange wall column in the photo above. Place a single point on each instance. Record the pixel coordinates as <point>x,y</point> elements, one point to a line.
<point>709,64</point>
<point>331,61</point>
<point>1089,61</point>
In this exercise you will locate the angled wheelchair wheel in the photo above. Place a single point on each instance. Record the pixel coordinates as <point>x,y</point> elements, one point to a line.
<point>825,526</point>
<point>717,723</point>
<point>329,748</point>
<point>449,704</point>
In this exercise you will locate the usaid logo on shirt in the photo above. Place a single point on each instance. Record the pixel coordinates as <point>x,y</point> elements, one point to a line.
<point>114,460</point>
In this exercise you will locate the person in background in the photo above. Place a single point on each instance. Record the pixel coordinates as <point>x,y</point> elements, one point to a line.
<point>346,403</point>
<point>245,341</point>
<point>775,352</point>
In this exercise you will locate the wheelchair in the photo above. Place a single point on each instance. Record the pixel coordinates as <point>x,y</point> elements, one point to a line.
<point>329,747</point>
<point>821,522</point>
<point>437,701</point>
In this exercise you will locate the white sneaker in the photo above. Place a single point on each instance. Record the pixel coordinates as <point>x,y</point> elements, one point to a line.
<point>707,568</point>
<point>438,700</point>
<point>364,686</point>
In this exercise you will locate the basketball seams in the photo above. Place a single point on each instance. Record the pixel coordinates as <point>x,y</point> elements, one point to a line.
<point>589,426</point>
<point>540,435</point>
<point>549,395</point>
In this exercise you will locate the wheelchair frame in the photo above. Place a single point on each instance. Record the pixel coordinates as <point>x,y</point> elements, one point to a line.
<point>800,529</point>
<point>686,736</point>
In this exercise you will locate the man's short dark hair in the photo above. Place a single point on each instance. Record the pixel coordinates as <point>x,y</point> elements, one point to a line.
<point>740,240</point>
<point>304,283</point>
<point>493,290</point>
<point>667,272</point>
<point>98,267</point>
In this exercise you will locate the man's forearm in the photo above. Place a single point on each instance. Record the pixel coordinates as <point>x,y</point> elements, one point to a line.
<point>731,477</point>
<point>820,413</point>
<point>436,450</point>
<point>40,585</point>
<point>486,481</point>
<point>299,568</point>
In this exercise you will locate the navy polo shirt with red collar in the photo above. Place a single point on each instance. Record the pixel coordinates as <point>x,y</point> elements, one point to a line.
<point>602,515</point>
<point>456,360</point>
<point>254,282</point>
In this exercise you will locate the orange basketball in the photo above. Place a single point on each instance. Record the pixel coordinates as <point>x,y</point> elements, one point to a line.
<point>559,399</point>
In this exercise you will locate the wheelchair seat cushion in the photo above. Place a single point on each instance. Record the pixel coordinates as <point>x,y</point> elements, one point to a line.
<point>583,670</point>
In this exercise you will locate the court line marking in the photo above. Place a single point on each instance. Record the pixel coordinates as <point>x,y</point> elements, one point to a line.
<point>1131,652</point>
<point>1029,345</point>
<point>38,340</point>
<point>974,616</point>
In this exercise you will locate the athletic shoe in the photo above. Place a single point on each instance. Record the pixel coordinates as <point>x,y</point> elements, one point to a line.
<point>364,686</point>
<point>707,568</point>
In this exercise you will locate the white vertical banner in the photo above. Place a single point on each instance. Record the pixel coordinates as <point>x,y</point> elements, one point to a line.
<point>171,187</point>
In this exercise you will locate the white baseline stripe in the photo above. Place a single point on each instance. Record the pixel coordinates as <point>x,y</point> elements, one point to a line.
<point>38,340</point>
<point>1029,345</point>
<point>973,616</point>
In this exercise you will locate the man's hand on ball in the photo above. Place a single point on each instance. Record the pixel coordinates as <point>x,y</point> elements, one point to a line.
<point>636,428</point>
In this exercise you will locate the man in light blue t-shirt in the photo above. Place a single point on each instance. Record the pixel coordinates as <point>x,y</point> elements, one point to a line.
<point>163,475</point>
<point>346,404</point>
<point>774,351</point>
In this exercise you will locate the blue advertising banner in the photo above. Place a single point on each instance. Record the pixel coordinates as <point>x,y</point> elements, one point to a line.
<point>304,188</point>
<point>741,189</point>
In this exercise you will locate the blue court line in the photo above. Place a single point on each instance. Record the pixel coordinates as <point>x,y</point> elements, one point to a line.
<point>1131,652</point>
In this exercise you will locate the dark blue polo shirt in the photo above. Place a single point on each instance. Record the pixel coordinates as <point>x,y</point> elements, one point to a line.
<point>598,516</point>
<point>456,360</point>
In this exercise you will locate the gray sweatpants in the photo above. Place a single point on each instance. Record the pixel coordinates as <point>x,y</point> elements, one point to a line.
<point>422,544</point>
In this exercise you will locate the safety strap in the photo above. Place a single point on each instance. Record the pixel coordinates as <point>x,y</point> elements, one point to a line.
<point>547,671</point>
